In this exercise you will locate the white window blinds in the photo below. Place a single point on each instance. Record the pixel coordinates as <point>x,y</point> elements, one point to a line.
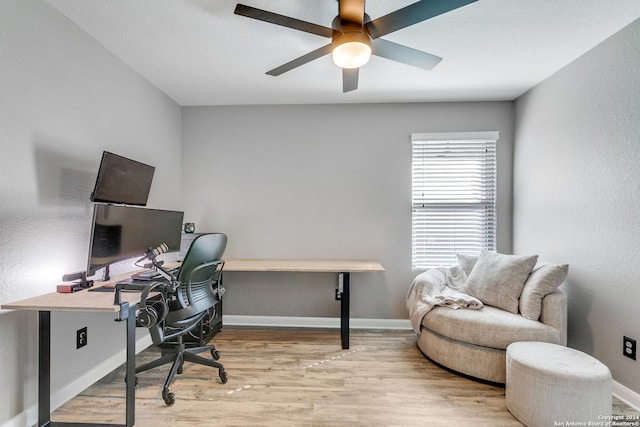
<point>453,196</point>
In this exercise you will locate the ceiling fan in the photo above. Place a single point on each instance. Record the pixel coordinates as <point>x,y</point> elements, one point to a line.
<point>355,37</point>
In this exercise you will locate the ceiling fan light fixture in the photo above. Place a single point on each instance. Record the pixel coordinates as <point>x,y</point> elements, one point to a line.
<point>351,49</point>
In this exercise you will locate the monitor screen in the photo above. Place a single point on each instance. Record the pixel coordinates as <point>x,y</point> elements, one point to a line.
<point>125,232</point>
<point>122,180</point>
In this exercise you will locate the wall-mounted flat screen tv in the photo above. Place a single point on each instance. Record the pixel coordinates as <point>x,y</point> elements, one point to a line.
<point>122,180</point>
<point>124,232</point>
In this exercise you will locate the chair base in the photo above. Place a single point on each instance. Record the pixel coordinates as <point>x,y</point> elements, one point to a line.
<point>177,358</point>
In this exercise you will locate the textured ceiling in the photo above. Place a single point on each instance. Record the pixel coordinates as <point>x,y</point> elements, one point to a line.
<point>200,53</point>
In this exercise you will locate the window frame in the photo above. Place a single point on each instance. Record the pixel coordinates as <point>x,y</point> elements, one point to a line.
<point>480,203</point>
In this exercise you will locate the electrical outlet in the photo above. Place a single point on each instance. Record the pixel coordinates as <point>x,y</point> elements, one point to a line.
<point>338,295</point>
<point>629,347</point>
<point>81,337</point>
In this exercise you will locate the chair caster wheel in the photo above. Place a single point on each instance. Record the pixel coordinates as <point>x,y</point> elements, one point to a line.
<point>215,354</point>
<point>169,398</point>
<point>223,376</point>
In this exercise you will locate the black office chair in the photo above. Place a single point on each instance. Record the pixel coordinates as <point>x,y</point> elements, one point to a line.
<point>195,293</point>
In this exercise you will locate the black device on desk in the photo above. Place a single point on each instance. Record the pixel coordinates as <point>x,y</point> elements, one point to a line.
<point>145,275</point>
<point>153,274</point>
<point>137,281</point>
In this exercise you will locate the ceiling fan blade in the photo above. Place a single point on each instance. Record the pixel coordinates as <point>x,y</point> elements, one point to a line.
<point>405,54</point>
<point>412,14</point>
<point>301,60</point>
<point>349,79</point>
<point>351,11</point>
<point>285,21</point>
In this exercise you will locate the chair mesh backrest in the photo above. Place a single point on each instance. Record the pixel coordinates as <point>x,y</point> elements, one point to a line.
<point>196,283</point>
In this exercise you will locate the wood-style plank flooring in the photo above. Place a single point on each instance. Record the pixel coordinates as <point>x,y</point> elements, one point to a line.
<point>302,377</point>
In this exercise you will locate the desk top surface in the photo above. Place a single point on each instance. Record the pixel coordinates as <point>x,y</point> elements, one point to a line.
<point>103,301</point>
<point>303,265</point>
<point>77,301</point>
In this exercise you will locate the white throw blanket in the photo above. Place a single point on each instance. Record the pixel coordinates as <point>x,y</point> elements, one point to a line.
<point>438,287</point>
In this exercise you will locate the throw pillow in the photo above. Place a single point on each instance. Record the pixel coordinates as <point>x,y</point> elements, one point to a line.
<point>467,262</point>
<point>497,279</point>
<point>543,280</point>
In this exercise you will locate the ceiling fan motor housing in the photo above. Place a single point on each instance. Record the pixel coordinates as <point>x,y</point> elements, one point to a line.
<point>351,44</point>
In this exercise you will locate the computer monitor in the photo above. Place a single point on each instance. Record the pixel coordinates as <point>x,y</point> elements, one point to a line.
<point>124,232</point>
<point>122,180</point>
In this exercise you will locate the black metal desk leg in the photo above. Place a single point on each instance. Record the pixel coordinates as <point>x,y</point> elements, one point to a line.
<point>131,367</point>
<point>44,368</point>
<point>344,310</point>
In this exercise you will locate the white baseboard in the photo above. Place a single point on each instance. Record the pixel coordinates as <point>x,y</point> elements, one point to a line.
<point>69,391</point>
<point>627,395</point>
<point>314,322</point>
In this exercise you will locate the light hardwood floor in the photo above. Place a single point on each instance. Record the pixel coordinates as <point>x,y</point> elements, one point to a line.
<point>302,377</point>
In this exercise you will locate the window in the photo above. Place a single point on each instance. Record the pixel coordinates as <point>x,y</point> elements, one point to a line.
<point>453,196</point>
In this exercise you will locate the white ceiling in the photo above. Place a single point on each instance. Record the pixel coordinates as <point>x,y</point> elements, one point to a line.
<point>200,53</point>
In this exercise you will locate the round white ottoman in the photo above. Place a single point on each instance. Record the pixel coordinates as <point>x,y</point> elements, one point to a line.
<point>548,383</point>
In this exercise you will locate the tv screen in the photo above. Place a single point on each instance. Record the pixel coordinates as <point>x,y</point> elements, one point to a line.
<point>124,232</point>
<point>122,180</point>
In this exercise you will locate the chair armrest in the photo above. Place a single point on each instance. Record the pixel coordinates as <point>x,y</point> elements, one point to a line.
<point>554,313</point>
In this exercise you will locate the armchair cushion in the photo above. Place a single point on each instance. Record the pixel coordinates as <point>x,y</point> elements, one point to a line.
<point>543,280</point>
<point>497,279</point>
<point>467,262</point>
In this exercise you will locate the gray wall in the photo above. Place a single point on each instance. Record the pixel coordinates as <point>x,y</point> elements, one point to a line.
<point>325,181</point>
<point>577,192</point>
<point>64,99</point>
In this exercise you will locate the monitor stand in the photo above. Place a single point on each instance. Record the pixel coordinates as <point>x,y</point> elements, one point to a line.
<point>105,274</point>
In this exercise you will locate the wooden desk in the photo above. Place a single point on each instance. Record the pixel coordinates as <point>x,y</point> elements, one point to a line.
<point>341,266</point>
<point>81,301</point>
